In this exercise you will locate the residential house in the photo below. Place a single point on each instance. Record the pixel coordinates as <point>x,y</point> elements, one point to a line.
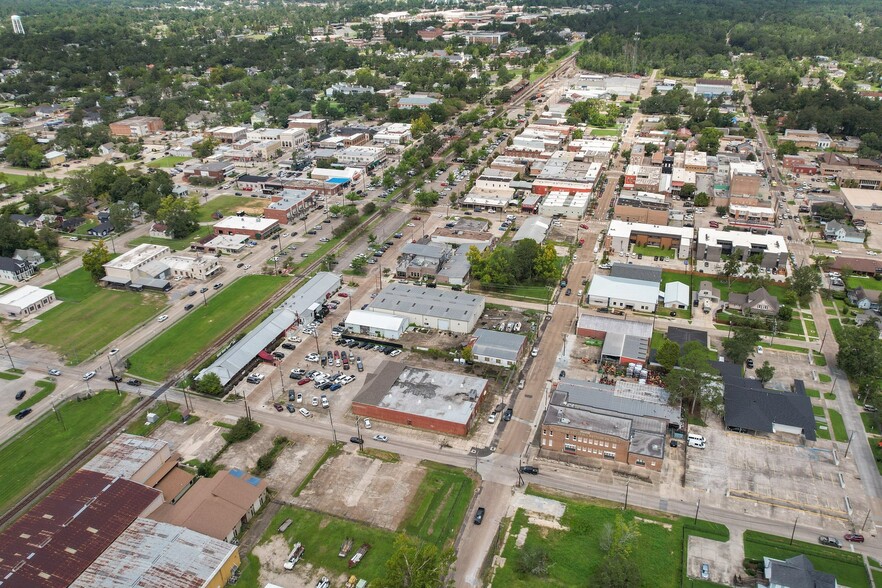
<point>757,302</point>
<point>676,295</point>
<point>750,408</point>
<point>706,291</point>
<point>864,299</point>
<point>796,572</point>
<point>24,220</point>
<point>31,256</point>
<point>837,231</point>
<point>15,270</point>
<point>69,225</point>
<point>101,230</point>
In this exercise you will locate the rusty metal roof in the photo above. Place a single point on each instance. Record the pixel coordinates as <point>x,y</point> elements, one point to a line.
<point>150,554</point>
<point>126,455</point>
<point>56,540</point>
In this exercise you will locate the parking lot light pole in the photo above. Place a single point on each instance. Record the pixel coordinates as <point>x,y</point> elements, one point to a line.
<point>357,427</point>
<point>698,506</point>
<point>627,489</point>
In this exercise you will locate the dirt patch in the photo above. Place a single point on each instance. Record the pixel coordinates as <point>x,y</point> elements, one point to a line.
<point>352,486</point>
<point>244,455</point>
<point>272,555</point>
<point>201,440</point>
<point>254,207</point>
<point>293,464</point>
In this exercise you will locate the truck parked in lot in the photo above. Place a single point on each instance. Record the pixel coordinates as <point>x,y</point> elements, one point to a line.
<point>294,556</point>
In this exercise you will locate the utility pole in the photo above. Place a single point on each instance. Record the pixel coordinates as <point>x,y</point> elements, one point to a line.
<point>847,447</point>
<point>866,518</point>
<point>6,349</point>
<point>698,506</point>
<point>793,532</point>
<point>61,420</point>
<point>113,373</point>
<point>627,489</point>
<point>333,430</point>
<point>357,428</point>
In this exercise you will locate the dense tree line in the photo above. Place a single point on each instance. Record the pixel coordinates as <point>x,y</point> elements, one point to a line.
<point>108,184</point>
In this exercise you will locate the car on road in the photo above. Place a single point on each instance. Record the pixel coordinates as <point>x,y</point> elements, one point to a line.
<point>203,290</point>
<point>189,307</point>
<point>568,292</point>
<point>528,469</point>
<point>584,226</point>
<point>854,537</point>
<point>88,375</point>
<point>749,363</point>
<point>134,382</point>
<point>113,351</point>
<point>115,378</point>
<point>54,373</point>
<point>242,264</point>
<point>162,318</point>
<point>356,440</point>
<point>218,286</point>
<point>508,414</point>
<point>836,252</point>
<point>20,394</point>
<point>605,266</point>
<point>831,541</point>
<point>381,438</point>
<point>479,515</point>
<point>367,423</point>
<point>23,413</point>
<point>562,374</point>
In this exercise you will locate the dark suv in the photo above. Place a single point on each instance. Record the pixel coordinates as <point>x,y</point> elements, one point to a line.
<point>529,470</point>
<point>479,515</point>
<point>506,416</point>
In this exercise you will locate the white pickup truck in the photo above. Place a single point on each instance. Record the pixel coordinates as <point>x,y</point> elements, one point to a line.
<point>294,556</point>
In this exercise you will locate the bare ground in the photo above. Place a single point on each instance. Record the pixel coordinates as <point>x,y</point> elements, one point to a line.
<point>201,440</point>
<point>272,556</point>
<point>354,487</point>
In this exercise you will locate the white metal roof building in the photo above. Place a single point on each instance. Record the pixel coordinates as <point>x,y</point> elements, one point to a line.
<point>25,300</point>
<point>376,324</point>
<point>497,347</point>
<point>151,554</point>
<point>300,306</point>
<point>676,295</point>
<point>535,227</point>
<point>623,293</point>
<point>435,308</point>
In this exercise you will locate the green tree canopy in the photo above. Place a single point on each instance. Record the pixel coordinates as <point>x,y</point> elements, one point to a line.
<point>94,259</point>
<point>415,564</point>
<point>179,215</point>
<point>741,344</point>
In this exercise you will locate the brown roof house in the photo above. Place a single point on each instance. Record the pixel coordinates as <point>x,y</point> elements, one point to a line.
<point>218,506</point>
<point>757,302</point>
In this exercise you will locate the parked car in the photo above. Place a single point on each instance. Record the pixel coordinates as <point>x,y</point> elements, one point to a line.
<point>20,394</point>
<point>479,515</point>
<point>188,307</point>
<point>705,571</point>
<point>289,346</point>
<point>134,382</point>
<point>506,416</point>
<point>278,355</point>
<point>88,375</point>
<point>58,373</point>
<point>367,423</point>
<point>278,406</point>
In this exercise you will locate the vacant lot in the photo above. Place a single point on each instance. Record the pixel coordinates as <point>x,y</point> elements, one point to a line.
<point>228,205</point>
<point>439,505</point>
<point>18,181</point>
<point>181,342</point>
<point>90,317</point>
<point>176,244</point>
<point>168,161</point>
<point>37,451</point>
<point>573,545</point>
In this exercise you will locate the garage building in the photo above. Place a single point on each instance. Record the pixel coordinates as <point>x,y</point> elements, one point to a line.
<point>376,324</point>
<point>626,293</point>
<point>25,300</point>
<point>436,401</point>
<point>435,308</point>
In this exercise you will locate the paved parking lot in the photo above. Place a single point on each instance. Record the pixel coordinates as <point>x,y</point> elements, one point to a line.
<point>723,559</point>
<point>770,474</point>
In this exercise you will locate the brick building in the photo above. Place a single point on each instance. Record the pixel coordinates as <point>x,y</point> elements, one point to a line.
<point>250,226</point>
<point>136,126</point>
<point>288,205</point>
<point>431,400</point>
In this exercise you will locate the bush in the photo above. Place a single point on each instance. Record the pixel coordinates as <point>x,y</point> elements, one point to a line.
<point>533,560</point>
<point>242,430</point>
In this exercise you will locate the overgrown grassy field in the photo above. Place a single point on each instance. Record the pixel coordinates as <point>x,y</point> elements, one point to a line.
<point>439,505</point>
<point>228,204</point>
<point>168,161</point>
<point>90,317</point>
<point>38,450</point>
<point>177,345</point>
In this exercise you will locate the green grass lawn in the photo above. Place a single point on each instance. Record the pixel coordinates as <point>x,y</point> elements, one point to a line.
<point>90,317</point>
<point>323,534</point>
<point>575,554</point>
<point>819,359</point>
<point>161,409</point>
<point>46,387</point>
<point>439,505</point>
<point>812,393</point>
<point>84,228</point>
<point>824,378</point>
<point>848,567</point>
<point>227,205</point>
<point>872,424</point>
<point>605,132</point>
<point>656,251</point>
<point>176,244</point>
<point>178,344</point>
<point>15,110</point>
<point>864,282</point>
<point>723,285</point>
<point>8,376</point>
<point>18,181</point>
<point>812,329</point>
<point>821,421</point>
<point>838,424</point>
<point>38,450</point>
<point>168,161</point>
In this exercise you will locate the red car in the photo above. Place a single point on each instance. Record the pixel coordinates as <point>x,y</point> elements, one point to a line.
<point>303,381</point>
<point>278,407</point>
<point>336,354</point>
<point>584,226</point>
<point>417,218</point>
<point>854,537</point>
<point>343,295</point>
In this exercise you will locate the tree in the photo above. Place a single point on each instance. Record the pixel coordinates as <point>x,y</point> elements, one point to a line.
<point>208,384</point>
<point>121,216</point>
<point>741,344</point>
<point>860,355</point>
<point>709,141</point>
<point>23,151</point>
<point>205,147</point>
<point>416,564</point>
<point>732,267</point>
<point>701,199</point>
<point>533,560</point>
<point>179,215</point>
<point>785,313</point>
<point>690,381</point>
<point>618,572</point>
<point>467,354</point>
<point>687,191</point>
<point>805,281</point>
<point>668,355</point>
<point>765,373</point>
<point>358,266</point>
<point>786,148</point>
<point>426,199</point>
<point>545,268</point>
<point>94,259</point>
<point>722,211</point>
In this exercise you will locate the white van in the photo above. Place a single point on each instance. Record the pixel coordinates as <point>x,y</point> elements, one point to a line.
<point>696,441</point>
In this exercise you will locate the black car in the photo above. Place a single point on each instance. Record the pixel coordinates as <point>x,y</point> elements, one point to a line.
<point>479,515</point>
<point>188,307</point>
<point>278,355</point>
<point>134,382</point>
<point>289,346</point>
<point>23,413</point>
<point>290,407</point>
<point>529,470</point>
<point>20,394</point>
<point>191,293</point>
<point>357,440</point>
<point>506,416</point>
<point>749,363</point>
<point>115,379</point>
<point>562,375</point>
<point>292,396</point>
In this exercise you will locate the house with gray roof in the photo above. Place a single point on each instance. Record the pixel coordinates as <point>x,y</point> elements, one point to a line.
<point>751,408</point>
<point>757,302</point>
<point>497,347</point>
<point>796,572</point>
<point>837,231</point>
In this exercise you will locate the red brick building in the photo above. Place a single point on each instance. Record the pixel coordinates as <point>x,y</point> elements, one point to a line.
<point>436,401</point>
